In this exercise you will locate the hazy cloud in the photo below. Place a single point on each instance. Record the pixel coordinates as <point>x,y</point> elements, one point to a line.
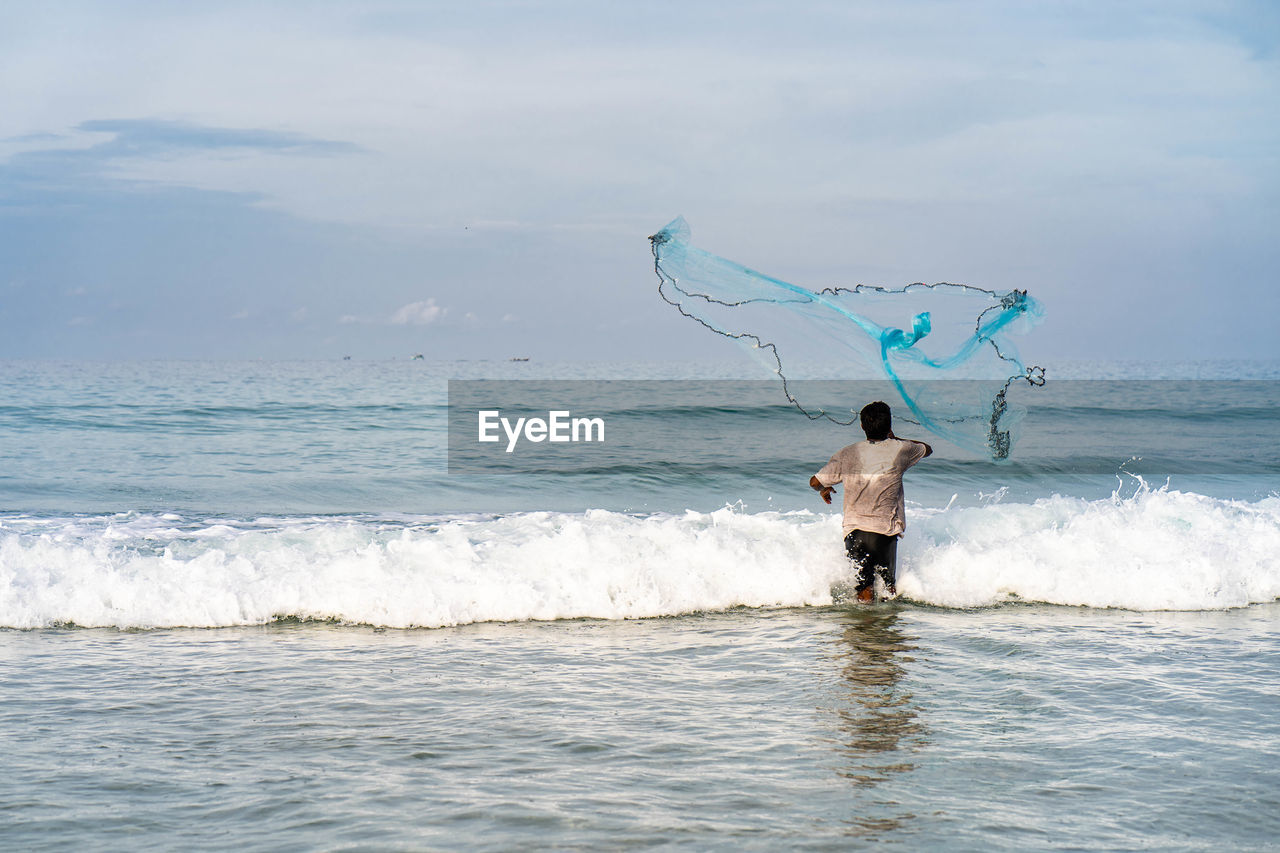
<point>419,314</point>
<point>77,158</point>
<point>153,137</point>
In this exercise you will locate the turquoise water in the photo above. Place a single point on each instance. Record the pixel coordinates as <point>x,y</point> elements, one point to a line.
<point>245,605</point>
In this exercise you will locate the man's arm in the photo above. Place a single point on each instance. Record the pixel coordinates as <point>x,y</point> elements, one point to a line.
<point>928,451</point>
<point>825,491</point>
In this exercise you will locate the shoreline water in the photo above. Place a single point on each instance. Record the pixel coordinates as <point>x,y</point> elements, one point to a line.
<point>1007,728</point>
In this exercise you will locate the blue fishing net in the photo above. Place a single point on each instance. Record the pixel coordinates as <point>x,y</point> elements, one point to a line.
<point>909,339</point>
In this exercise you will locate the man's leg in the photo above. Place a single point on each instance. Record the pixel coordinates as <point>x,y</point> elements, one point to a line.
<point>886,563</point>
<point>873,554</point>
<point>859,546</point>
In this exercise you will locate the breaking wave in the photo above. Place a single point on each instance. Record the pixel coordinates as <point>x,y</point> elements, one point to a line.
<point>1157,549</point>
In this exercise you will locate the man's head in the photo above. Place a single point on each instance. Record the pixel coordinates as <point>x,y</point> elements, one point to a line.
<point>876,421</point>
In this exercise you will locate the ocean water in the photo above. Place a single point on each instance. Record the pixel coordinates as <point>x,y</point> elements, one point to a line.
<point>246,604</point>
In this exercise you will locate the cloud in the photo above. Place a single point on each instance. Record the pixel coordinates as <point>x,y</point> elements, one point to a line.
<point>81,157</point>
<point>154,137</point>
<point>28,138</point>
<point>419,314</point>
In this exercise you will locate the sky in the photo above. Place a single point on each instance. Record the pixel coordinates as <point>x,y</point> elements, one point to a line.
<point>478,180</point>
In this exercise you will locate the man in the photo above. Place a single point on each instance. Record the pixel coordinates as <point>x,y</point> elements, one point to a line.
<point>874,512</point>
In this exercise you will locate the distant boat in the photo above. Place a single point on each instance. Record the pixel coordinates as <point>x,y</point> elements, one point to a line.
<point>417,356</point>
<point>346,358</point>
<point>520,359</point>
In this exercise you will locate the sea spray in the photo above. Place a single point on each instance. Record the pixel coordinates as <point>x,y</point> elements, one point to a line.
<point>1156,549</point>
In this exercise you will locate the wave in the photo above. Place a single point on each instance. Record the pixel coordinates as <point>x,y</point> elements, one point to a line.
<point>1156,549</point>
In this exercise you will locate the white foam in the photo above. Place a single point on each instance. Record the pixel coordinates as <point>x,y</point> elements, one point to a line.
<point>1157,549</point>
<point>528,566</point>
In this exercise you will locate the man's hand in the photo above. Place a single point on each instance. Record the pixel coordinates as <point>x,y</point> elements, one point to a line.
<point>825,491</point>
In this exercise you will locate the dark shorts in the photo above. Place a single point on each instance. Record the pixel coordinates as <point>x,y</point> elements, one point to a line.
<point>873,554</point>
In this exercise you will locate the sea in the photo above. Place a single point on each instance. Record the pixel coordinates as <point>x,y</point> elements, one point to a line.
<point>252,606</point>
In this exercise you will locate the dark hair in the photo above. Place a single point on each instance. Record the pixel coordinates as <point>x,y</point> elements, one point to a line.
<point>876,421</point>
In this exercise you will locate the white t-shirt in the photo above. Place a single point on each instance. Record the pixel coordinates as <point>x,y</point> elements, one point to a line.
<point>871,473</point>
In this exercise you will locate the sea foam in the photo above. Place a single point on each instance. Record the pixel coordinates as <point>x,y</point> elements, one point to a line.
<point>1157,549</point>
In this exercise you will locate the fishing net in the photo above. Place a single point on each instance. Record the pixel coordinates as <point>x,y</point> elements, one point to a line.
<point>918,340</point>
